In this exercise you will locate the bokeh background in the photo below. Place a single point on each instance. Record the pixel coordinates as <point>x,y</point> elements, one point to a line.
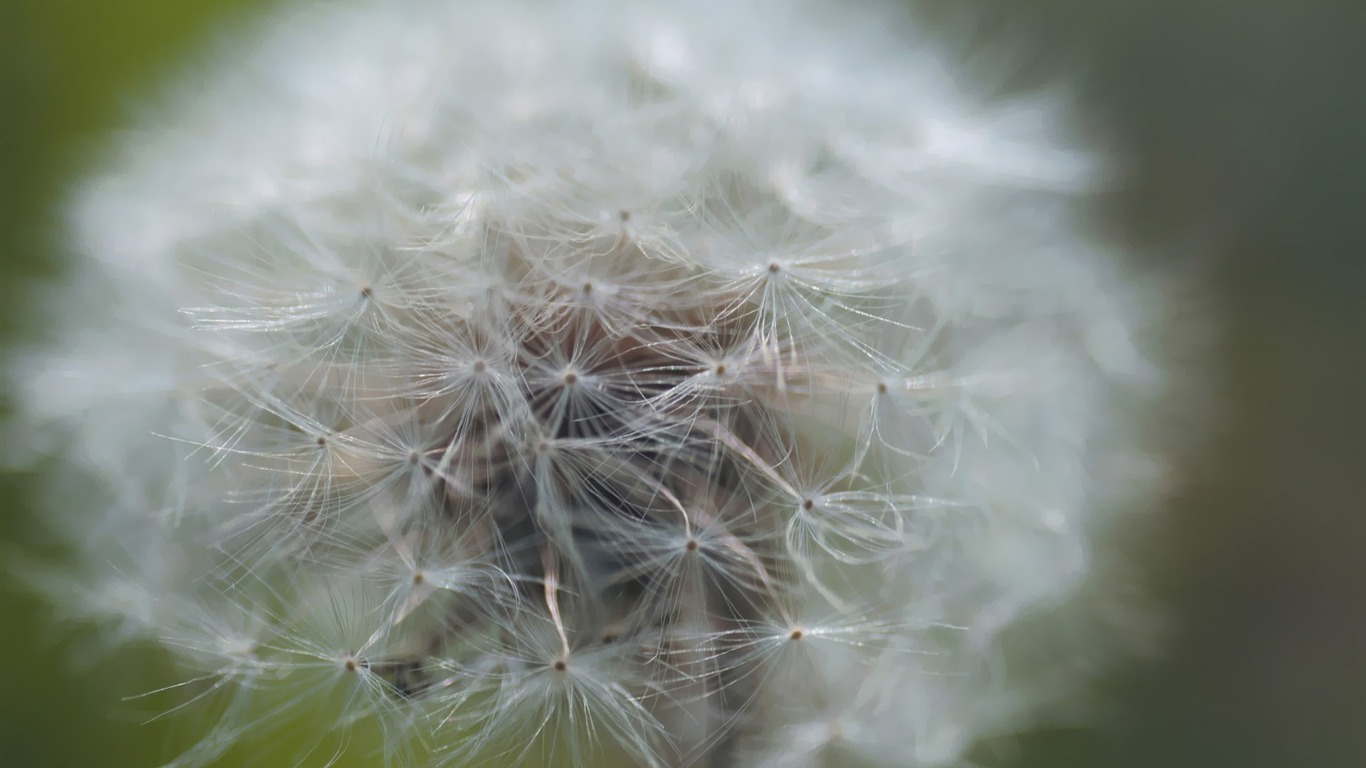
<point>1244,122</point>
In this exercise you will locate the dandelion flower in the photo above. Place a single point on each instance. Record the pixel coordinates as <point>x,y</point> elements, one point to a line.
<point>592,383</point>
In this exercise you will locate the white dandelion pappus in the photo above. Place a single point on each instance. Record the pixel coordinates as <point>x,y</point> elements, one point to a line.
<point>537,383</point>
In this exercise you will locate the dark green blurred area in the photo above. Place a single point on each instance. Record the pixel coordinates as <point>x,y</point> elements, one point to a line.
<point>1247,125</point>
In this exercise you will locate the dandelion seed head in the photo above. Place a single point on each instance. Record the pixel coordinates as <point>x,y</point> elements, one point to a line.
<point>640,382</point>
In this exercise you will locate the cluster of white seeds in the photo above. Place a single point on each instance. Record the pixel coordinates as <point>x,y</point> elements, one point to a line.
<point>591,383</point>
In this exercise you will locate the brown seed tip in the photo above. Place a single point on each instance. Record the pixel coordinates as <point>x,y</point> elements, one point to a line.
<point>560,665</point>
<point>795,634</point>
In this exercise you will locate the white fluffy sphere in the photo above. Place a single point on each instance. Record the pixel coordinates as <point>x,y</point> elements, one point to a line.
<point>698,383</point>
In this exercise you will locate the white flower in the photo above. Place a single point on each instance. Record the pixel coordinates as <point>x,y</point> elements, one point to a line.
<point>661,383</point>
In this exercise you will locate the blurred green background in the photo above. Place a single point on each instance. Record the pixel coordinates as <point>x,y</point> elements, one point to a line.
<point>1247,123</point>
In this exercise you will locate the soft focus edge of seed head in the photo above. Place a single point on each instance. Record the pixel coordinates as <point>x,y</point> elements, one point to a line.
<point>597,383</point>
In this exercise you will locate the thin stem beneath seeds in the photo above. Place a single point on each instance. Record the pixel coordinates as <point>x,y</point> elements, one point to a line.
<point>552,601</point>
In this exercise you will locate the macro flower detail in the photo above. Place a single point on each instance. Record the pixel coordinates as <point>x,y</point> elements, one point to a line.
<point>650,384</point>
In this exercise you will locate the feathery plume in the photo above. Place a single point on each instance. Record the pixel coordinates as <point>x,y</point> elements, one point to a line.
<point>591,383</point>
